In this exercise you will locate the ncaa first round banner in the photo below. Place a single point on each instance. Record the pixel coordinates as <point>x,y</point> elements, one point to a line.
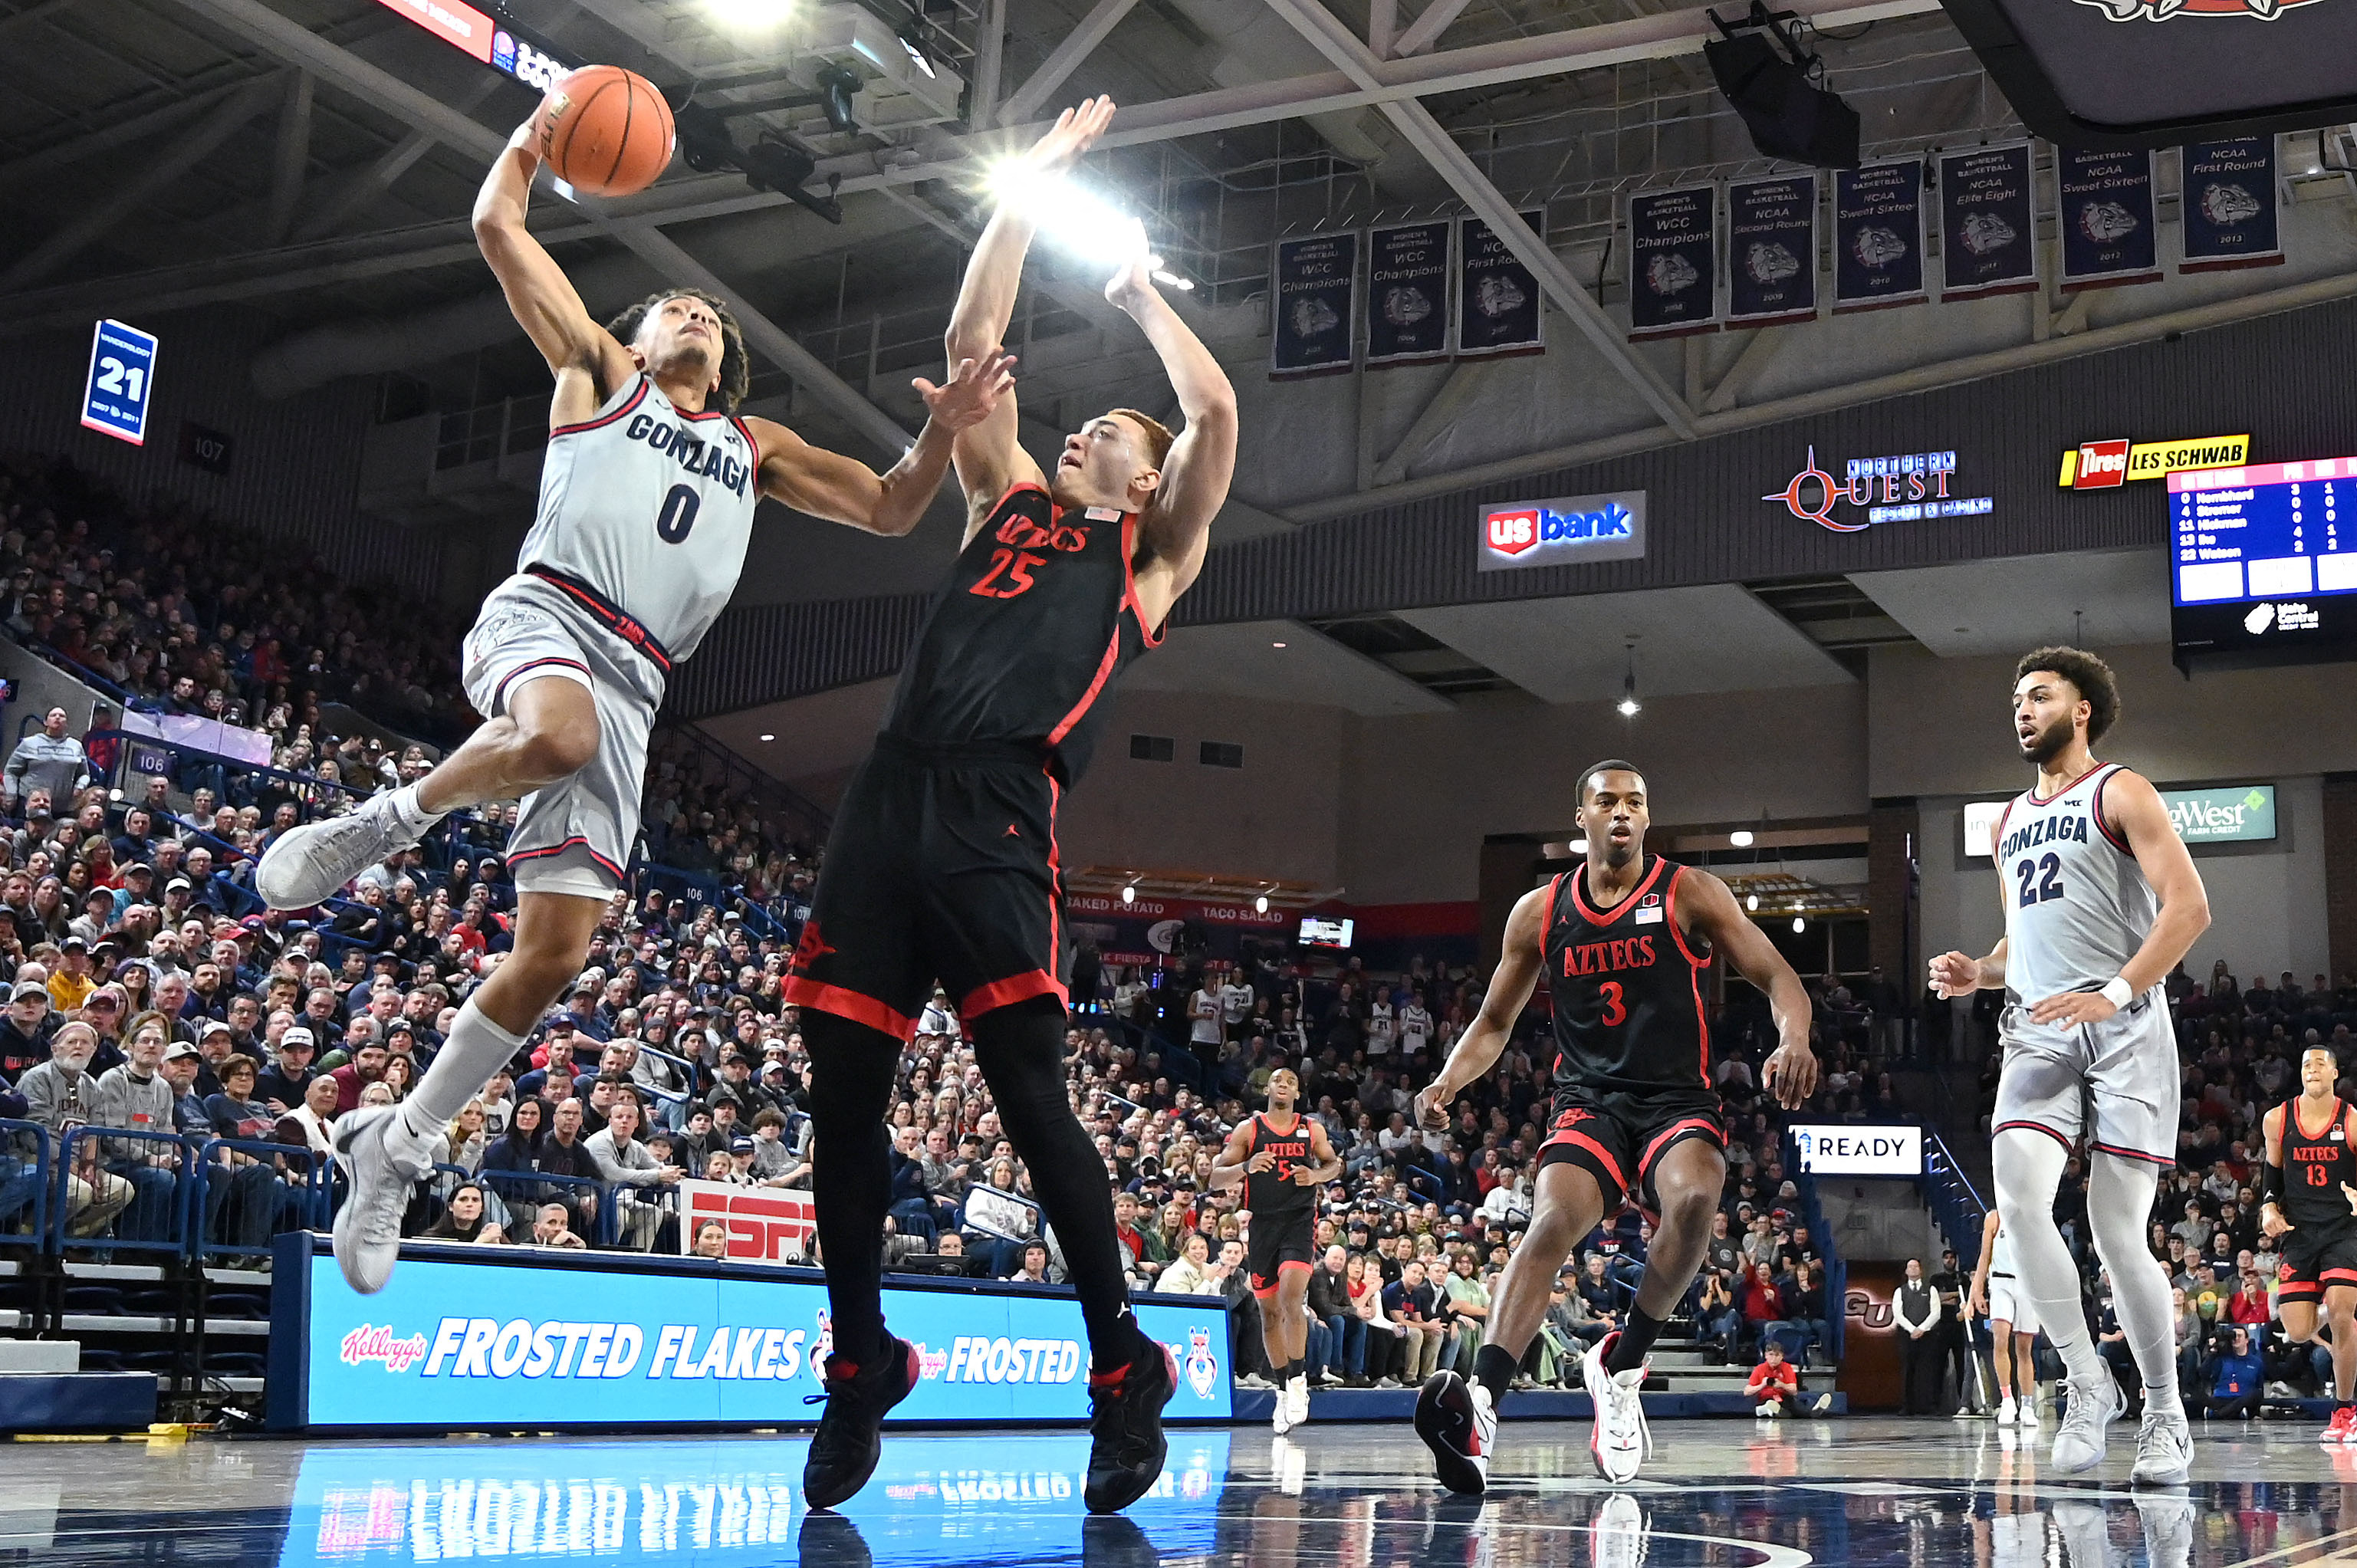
<point>466,1345</point>
<point>2226,209</point>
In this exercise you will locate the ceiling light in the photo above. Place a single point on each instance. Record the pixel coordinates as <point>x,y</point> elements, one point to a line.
<point>749,16</point>
<point>1628,705</point>
<point>1579,847</point>
<point>768,737</point>
<point>1260,905</point>
<point>1129,894</point>
<point>837,86</point>
<point>1740,838</point>
<point>1071,216</point>
<point>1751,900</point>
<point>1276,644</point>
<point>1799,925</point>
<point>911,37</point>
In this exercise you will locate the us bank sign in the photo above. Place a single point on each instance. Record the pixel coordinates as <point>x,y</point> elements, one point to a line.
<point>1562,531</point>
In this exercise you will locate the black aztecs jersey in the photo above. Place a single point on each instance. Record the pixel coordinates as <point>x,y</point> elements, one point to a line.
<point>1627,987</point>
<point>1273,1193</point>
<point>1029,635</point>
<point>2315,1165</point>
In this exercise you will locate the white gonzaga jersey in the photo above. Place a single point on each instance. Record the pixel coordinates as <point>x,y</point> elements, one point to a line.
<point>651,508</point>
<point>2076,904</point>
<point>2001,1256</point>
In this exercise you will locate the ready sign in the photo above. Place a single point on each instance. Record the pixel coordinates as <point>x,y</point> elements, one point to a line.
<point>2241,814</point>
<point>2105,464</point>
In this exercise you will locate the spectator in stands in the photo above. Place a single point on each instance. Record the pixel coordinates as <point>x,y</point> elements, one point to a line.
<point>464,1219</point>
<point>307,1123</point>
<point>134,1097</point>
<point>2233,1374</point>
<point>366,1066</point>
<point>59,1094</point>
<point>287,1082</point>
<point>1414,1307</point>
<point>25,1028</point>
<point>560,1153</point>
<point>253,1199</point>
<point>72,982</point>
<point>1774,1384</point>
<point>627,1164</point>
<point>1034,1270</point>
<point>49,760</point>
<point>1330,1301</point>
<point>552,1227</point>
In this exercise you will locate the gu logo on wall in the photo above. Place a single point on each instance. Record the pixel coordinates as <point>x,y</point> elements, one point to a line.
<point>2162,10</point>
<point>1562,530</point>
<point>1907,489</point>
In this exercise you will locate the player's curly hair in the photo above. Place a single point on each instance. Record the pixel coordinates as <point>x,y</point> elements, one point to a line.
<point>736,369</point>
<point>2090,676</point>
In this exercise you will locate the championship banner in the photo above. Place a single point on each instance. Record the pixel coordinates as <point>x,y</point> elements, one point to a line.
<point>2227,205</point>
<point>1674,263</point>
<point>1878,236</point>
<point>1497,298</point>
<point>2106,220</point>
<point>1407,293</point>
<point>1314,299</point>
<point>1987,240</point>
<point>1772,251</point>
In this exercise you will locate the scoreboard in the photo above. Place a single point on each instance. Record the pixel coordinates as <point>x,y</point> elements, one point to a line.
<point>2264,561</point>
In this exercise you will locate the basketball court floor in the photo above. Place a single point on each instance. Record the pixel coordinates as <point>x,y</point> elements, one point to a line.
<point>1920,1494</point>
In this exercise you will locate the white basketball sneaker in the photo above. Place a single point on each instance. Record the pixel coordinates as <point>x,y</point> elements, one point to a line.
<point>1297,1400</point>
<point>383,1163</point>
<point>2094,1405</point>
<point>309,865</point>
<point>1621,1441</point>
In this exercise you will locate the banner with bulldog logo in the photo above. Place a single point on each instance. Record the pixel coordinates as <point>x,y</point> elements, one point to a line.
<point>2227,205</point>
<point>2106,219</point>
<point>1878,236</point>
<point>1313,299</point>
<point>1674,263</point>
<point>1772,251</point>
<point>1987,242</point>
<point>1407,293</point>
<point>1496,297</point>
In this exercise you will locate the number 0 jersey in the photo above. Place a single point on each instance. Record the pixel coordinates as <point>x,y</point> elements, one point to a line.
<point>2077,905</point>
<point>648,508</point>
<point>1028,635</point>
<point>1627,988</point>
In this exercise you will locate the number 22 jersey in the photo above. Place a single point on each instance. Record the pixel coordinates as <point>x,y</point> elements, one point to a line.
<point>1024,642</point>
<point>2077,905</point>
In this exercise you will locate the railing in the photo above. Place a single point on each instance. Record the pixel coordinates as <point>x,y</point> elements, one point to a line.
<point>118,1177</point>
<point>1956,1207</point>
<point>1835,1286</point>
<point>529,1189</point>
<point>245,1204</point>
<point>811,820</point>
<point>24,1184</point>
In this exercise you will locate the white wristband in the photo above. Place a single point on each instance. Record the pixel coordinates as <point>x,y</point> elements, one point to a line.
<point>2115,992</point>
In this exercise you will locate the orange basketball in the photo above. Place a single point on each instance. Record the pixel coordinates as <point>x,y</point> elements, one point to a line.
<point>606,131</point>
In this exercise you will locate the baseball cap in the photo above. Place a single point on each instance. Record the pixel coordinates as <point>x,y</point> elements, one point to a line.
<point>296,1036</point>
<point>73,944</point>
<point>250,923</point>
<point>138,865</point>
<point>215,1027</point>
<point>24,988</point>
<point>177,884</point>
<point>178,1050</point>
<point>742,1146</point>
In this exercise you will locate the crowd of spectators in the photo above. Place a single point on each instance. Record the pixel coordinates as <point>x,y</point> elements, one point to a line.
<point>2238,1049</point>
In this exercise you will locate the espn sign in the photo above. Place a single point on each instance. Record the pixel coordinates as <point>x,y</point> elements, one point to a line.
<point>1561,530</point>
<point>2106,465</point>
<point>765,1224</point>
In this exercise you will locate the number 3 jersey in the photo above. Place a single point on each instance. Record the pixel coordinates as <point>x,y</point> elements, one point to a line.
<point>1626,985</point>
<point>1028,638</point>
<point>2077,905</point>
<point>645,513</point>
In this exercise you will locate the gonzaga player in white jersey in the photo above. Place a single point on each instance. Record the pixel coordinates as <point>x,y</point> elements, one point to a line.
<point>646,506</point>
<point>2101,902</point>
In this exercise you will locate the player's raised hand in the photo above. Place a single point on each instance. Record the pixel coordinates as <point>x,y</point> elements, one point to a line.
<point>972,390</point>
<point>1792,1074</point>
<point>1955,973</point>
<point>2074,1008</point>
<point>1432,1107</point>
<point>1074,132</point>
<point>1132,285</point>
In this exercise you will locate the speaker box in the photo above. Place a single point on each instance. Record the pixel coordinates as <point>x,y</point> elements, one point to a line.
<point>1789,116</point>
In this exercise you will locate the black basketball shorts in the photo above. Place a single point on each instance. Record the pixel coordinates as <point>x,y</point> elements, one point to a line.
<point>1620,1138</point>
<point>1275,1244</point>
<point>2314,1262</point>
<point>941,867</point>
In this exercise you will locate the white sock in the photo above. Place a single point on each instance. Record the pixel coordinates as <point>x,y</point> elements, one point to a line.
<point>477,1047</point>
<point>404,804</point>
<point>2029,1167</point>
<point>2119,1195</point>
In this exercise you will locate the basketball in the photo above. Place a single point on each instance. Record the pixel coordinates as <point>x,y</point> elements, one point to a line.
<point>606,131</point>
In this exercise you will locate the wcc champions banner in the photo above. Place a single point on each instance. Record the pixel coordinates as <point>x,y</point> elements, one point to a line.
<point>2109,237</point>
<point>1772,251</point>
<point>1878,236</point>
<point>482,1344</point>
<point>1496,297</point>
<point>1407,293</point>
<point>2227,206</point>
<point>1313,297</point>
<point>1674,263</point>
<point>1987,240</point>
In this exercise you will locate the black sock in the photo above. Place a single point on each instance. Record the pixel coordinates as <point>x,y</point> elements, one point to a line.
<point>1636,1337</point>
<point>1021,1053</point>
<point>1292,1371</point>
<point>852,1068</point>
<point>1494,1368</point>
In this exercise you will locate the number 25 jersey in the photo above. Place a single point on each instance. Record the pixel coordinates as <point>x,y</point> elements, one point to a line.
<point>650,506</point>
<point>1025,640</point>
<point>2077,905</point>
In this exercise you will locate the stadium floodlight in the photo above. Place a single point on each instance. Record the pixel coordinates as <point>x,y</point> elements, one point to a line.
<point>1071,216</point>
<point>1740,838</point>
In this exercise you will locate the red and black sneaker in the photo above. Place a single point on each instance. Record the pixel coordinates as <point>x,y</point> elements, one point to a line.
<point>1128,1449</point>
<point>1455,1421</point>
<point>850,1436</point>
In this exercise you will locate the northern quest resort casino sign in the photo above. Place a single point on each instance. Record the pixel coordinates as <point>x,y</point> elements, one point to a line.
<point>1563,531</point>
<point>1915,486</point>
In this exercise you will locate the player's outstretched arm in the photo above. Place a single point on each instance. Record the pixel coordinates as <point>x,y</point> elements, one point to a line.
<point>989,457</point>
<point>1519,958</point>
<point>1978,1297</point>
<point>2271,1184</point>
<point>1707,906</point>
<point>843,489</point>
<point>1202,460</point>
<point>542,297</point>
<point>2132,806</point>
